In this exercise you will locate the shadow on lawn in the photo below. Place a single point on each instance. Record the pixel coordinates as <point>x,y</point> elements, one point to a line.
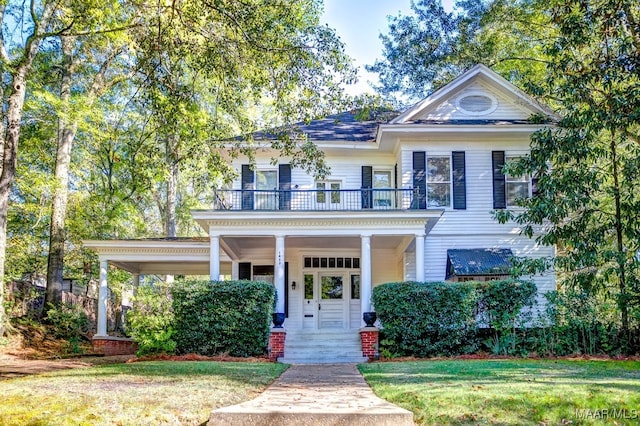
<point>250,373</point>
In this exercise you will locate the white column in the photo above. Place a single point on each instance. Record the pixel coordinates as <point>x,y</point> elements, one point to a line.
<point>279,272</point>
<point>214,257</point>
<point>102,299</point>
<point>365,274</point>
<point>235,270</point>
<point>420,258</point>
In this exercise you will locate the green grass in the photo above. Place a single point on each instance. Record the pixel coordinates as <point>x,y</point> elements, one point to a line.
<point>523,392</point>
<point>147,393</point>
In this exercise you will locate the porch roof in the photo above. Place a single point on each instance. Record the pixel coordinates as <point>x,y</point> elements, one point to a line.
<point>179,256</point>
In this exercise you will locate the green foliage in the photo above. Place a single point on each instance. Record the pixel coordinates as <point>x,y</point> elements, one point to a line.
<point>506,308</point>
<point>426,319</point>
<point>577,322</point>
<point>588,166</point>
<point>430,47</point>
<point>151,321</point>
<point>438,318</point>
<point>69,322</point>
<point>222,317</point>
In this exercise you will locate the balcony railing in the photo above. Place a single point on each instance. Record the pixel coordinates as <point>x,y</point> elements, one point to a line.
<point>318,200</point>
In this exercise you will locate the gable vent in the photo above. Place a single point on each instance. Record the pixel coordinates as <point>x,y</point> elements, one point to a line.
<point>476,104</point>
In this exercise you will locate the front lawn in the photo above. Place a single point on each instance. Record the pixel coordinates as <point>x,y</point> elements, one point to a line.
<point>147,393</point>
<point>526,392</point>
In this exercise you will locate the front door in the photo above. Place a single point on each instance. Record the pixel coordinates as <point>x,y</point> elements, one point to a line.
<point>331,306</point>
<point>325,304</point>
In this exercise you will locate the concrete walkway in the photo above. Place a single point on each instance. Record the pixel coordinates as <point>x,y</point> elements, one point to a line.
<point>330,394</point>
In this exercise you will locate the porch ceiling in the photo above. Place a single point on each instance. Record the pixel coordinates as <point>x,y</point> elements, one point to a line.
<point>241,244</point>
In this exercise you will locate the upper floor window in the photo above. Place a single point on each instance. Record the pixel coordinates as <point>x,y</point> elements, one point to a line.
<point>438,181</point>
<point>327,193</point>
<point>266,180</point>
<point>516,187</point>
<point>381,186</point>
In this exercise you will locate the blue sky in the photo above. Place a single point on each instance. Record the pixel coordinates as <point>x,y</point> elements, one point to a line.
<point>358,23</point>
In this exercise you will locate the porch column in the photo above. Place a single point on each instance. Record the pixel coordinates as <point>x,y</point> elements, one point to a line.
<point>419,258</point>
<point>214,257</point>
<point>102,299</point>
<point>365,274</point>
<point>279,272</point>
<point>235,271</point>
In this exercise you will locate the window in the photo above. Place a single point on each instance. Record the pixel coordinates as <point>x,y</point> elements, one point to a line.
<point>267,186</point>
<point>382,182</point>
<point>517,187</point>
<point>438,182</point>
<point>355,286</point>
<point>308,286</point>
<point>325,188</point>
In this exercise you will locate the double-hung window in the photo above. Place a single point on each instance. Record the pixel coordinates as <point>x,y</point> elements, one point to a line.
<point>438,181</point>
<point>266,196</point>
<point>382,189</point>
<point>516,187</point>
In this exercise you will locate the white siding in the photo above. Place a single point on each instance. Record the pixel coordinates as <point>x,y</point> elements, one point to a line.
<point>448,110</point>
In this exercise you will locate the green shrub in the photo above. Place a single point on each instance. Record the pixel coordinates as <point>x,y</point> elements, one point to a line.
<point>150,322</point>
<point>426,319</point>
<point>222,317</point>
<point>506,307</point>
<point>69,322</point>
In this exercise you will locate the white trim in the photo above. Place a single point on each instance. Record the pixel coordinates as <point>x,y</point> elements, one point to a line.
<point>478,93</point>
<point>478,71</point>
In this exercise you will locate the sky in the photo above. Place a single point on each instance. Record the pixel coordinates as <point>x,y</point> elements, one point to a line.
<point>358,23</point>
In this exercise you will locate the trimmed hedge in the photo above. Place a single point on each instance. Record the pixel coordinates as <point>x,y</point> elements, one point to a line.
<point>437,318</point>
<point>424,319</point>
<point>217,317</point>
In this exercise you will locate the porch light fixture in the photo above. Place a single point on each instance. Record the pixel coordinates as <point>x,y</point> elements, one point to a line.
<point>293,285</point>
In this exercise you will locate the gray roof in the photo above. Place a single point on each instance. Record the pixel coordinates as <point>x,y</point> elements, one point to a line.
<point>482,261</point>
<point>346,126</point>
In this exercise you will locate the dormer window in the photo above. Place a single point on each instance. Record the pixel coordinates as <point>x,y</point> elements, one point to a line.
<point>476,103</point>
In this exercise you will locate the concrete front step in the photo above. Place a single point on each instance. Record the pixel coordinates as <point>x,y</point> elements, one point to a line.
<point>322,347</point>
<point>323,360</point>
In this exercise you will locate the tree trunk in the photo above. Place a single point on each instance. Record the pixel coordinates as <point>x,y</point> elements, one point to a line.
<point>623,301</point>
<point>11,136</point>
<point>67,128</point>
<point>9,161</point>
<point>172,186</point>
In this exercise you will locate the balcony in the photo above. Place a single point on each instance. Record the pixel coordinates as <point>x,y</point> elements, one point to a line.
<point>318,200</point>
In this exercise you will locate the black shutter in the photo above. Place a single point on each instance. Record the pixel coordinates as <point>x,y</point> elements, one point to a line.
<point>367,185</point>
<point>247,187</point>
<point>419,180</point>
<point>395,176</point>
<point>284,185</point>
<point>459,181</point>
<point>499,193</point>
<point>244,270</point>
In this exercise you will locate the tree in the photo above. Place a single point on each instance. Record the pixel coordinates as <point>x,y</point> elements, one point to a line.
<point>588,166</point>
<point>427,49</point>
<point>206,66</point>
<point>37,21</point>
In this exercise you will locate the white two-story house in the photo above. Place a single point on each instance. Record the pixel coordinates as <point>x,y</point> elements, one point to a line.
<point>410,198</point>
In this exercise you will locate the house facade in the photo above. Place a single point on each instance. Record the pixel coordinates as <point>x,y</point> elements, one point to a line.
<point>409,197</point>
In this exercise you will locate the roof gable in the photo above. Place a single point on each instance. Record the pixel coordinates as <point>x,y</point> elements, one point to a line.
<point>479,95</point>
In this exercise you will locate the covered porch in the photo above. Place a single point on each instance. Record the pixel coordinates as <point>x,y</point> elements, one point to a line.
<point>370,245</point>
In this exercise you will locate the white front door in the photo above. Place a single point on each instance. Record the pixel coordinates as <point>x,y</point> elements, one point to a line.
<point>326,300</point>
<point>331,306</point>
